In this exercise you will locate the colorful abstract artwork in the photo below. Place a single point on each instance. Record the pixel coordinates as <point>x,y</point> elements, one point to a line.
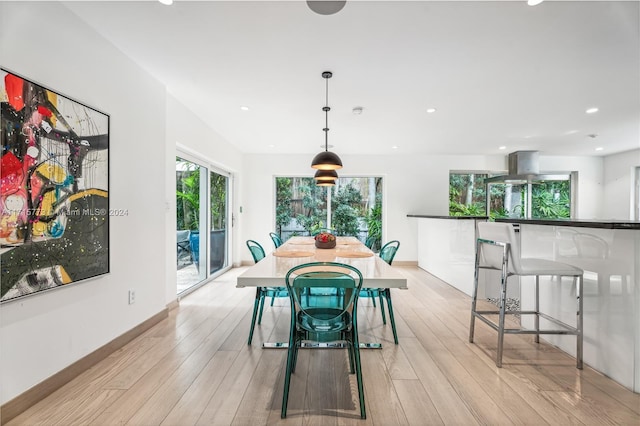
<point>54,189</point>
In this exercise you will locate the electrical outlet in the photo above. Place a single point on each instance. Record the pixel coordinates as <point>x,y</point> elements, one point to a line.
<point>132,297</point>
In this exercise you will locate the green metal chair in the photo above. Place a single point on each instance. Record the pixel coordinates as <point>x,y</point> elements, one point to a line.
<point>257,252</point>
<point>277,241</point>
<point>370,242</point>
<point>324,298</point>
<point>387,253</point>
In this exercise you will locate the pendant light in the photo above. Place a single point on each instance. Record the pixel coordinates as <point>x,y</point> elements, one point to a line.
<point>326,174</point>
<point>325,182</point>
<point>326,177</point>
<point>326,160</point>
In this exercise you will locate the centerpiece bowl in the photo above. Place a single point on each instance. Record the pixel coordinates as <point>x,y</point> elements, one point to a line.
<point>325,240</point>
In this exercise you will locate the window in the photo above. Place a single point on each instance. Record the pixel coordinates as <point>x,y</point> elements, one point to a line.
<point>467,194</point>
<point>352,207</point>
<point>539,200</point>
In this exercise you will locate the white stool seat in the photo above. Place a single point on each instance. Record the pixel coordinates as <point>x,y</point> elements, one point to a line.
<point>532,266</point>
<point>497,249</point>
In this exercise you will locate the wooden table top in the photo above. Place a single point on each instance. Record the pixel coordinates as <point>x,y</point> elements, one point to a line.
<point>271,270</point>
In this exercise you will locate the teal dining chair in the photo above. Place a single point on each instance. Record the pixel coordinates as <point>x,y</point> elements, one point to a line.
<point>324,298</point>
<point>371,242</point>
<point>387,253</point>
<point>277,241</point>
<point>257,252</point>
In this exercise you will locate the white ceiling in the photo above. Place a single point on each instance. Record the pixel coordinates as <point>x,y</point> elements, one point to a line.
<point>499,73</point>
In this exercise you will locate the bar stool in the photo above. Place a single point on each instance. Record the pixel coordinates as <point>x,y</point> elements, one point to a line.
<point>497,249</point>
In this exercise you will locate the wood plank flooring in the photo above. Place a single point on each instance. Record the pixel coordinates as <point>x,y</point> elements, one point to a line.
<point>195,368</point>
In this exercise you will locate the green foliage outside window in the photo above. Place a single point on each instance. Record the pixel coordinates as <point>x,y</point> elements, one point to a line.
<point>283,203</point>
<point>356,207</point>
<point>551,200</point>
<point>346,205</point>
<point>218,198</point>
<point>374,223</point>
<point>188,195</point>
<point>312,201</point>
<point>468,192</point>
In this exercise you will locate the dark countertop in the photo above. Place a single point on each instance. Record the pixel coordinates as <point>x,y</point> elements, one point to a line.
<point>581,223</point>
<point>428,216</point>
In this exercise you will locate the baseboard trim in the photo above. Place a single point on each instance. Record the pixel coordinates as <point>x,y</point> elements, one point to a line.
<point>405,263</point>
<point>172,305</point>
<point>22,402</point>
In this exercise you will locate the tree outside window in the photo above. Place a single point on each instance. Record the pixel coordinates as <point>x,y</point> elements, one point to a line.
<point>355,207</point>
<point>468,197</point>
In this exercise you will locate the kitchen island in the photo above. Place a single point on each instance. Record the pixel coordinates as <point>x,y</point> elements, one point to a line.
<point>607,250</point>
<point>609,253</point>
<point>446,248</point>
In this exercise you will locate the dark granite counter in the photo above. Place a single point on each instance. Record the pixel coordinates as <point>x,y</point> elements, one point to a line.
<point>581,223</point>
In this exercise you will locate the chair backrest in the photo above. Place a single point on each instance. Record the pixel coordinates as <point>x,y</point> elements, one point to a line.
<point>256,250</point>
<point>324,296</point>
<point>370,241</point>
<point>591,246</point>
<point>182,236</point>
<point>277,241</point>
<point>389,250</point>
<point>491,256</point>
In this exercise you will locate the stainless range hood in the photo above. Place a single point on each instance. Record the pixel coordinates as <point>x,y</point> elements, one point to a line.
<point>523,168</point>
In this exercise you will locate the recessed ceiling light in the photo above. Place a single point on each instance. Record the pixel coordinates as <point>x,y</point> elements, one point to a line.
<point>591,110</point>
<point>328,146</point>
<point>599,148</point>
<point>431,110</point>
<point>357,110</point>
<point>394,147</point>
<point>166,2</point>
<point>502,147</point>
<point>570,132</point>
<point>272,146</point>
<point>534,2</point>
<point>244,108</point>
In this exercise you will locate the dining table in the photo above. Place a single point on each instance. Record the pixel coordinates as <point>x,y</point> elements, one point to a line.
<point>298,250</point>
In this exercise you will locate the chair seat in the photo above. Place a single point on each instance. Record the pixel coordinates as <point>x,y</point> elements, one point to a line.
<point>547,267</point>
<point>324,319</point>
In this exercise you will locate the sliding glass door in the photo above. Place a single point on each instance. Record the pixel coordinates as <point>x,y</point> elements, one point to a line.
<point>202,228</point>
<point>218,241</point>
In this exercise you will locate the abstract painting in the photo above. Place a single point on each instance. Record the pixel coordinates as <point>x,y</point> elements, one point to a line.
<point>54,189</point>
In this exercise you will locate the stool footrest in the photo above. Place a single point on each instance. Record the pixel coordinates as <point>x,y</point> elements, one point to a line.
<point>567,328</point>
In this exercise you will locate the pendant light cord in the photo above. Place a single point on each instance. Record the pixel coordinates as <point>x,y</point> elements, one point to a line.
<point>326,110</point>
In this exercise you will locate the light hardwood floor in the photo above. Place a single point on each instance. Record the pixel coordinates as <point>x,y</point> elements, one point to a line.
<point>195,368</point>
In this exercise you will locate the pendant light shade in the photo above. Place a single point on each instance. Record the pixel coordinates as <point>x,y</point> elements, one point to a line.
<point>326,160</point>
<point>325,182</point>
<point>326,174</point>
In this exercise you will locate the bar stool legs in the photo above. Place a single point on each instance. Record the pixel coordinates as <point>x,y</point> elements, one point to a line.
<point>502,311</point>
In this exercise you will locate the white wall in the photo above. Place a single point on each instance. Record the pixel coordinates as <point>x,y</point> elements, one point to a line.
<point>618,184</point>
<point>44,333</point>
<point>413,184</point>
<point>590,188</point>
